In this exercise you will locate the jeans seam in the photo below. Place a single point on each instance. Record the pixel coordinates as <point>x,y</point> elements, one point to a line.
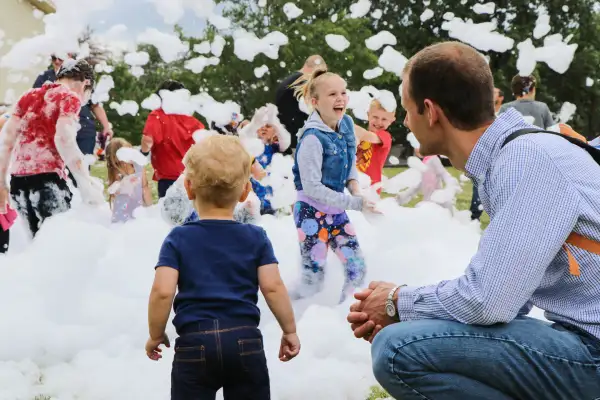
<point>402,382</point>
<point>528,348</point>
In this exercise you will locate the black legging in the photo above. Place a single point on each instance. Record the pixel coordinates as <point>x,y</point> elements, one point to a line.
<point>4,239</point>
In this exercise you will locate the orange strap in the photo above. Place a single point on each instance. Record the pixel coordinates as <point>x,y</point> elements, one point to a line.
<point>583,243</point>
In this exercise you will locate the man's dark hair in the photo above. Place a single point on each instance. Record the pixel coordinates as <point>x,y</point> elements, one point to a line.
<point>77,70</point>
<point>457,78</point>
<point>500,92</point>
<point>171,85</point>
<point>522,85</point>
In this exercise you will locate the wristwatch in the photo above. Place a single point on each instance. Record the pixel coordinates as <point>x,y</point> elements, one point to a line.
<point>390,306</point>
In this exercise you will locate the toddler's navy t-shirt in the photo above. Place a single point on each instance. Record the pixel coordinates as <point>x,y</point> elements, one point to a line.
<point>218,263</point>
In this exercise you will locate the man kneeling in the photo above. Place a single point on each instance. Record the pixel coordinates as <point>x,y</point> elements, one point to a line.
<point>470,338</point>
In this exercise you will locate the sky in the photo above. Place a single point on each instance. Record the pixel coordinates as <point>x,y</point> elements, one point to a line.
<point>138,15</point>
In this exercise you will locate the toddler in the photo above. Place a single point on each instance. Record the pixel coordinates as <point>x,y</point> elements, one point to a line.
<point>217,266</point>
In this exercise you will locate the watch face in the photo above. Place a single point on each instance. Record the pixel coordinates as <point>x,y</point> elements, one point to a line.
<point>390,310</point>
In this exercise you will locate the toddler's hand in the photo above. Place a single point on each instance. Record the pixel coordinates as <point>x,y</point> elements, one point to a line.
<point>290,347</point>
<point>153,349</point>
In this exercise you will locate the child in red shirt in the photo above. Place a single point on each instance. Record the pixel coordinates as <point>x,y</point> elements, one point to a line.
<point>374,144</point>
<point>169,136</point>
<point>41,137</point>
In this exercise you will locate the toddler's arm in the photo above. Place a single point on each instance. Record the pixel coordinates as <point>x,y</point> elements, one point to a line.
<point>278,300</point>
<point>161,300</point>
<point>159,308</point>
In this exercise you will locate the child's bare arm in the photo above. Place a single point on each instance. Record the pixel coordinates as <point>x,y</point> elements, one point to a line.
<point>366,136</point>
<point>276,295</point>
<point>161,300</point>
<point>147,191</point>
<point>258,172</point>
<point>8,139</point>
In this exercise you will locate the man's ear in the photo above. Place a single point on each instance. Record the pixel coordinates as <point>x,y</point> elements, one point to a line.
<point>187,184</point>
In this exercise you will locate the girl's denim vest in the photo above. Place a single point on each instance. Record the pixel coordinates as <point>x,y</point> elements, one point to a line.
<point>339,154</point>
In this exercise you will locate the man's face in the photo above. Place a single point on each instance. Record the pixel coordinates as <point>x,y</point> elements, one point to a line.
<point>497,98</point>
<point>419,123</point>
<point>57,62</point>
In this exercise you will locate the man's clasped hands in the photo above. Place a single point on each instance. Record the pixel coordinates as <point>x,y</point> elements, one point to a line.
<point>368,315</point>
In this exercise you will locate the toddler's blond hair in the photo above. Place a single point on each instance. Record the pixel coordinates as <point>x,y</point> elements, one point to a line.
<point>218,169</point>
<point>377,105</point>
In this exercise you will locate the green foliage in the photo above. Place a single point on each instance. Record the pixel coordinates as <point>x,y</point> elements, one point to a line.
<point>234,79</point>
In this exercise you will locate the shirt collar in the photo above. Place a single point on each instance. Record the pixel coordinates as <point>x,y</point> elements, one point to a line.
<point>488,146</point>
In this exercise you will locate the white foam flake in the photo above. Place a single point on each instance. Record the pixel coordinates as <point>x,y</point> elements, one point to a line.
<point>387,100</point>
<point>291,11</point>
<point>152,102</point>
<point>373,73</point>
<point>392,60</point>
<point>218,45</point>
<point>337,42</point>
<point>262,3</point>
<point>178,102</point>
<point>220,22</point>
<point>202,48</point>
<point>589,82</point>
<point>487,8</point>
<point>360,8</point>
<point>171,10</point>
<point>169,46</point>
<point>379,40</point>
<point>427,14</point>
<point>481,36</point>
<point>334,18</point>
<point>555,52</point>
<point>197,65</point>
<point>542,25</point>
<point>567,110</point>
<point>103,87</point>
<point>413,140</point>
<point>259,72</point>
<point>130,155</point>
<point>125,107</point>
<point>247,45</point>
<point>377,14</point>
<point>394,160</point>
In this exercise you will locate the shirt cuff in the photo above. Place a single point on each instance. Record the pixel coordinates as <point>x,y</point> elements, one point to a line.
<point>407,296</point>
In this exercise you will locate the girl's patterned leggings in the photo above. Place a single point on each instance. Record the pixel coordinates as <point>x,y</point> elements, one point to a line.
<point>316,233</point>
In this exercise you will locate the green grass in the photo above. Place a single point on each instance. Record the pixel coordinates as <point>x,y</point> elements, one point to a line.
<point>463,202</point>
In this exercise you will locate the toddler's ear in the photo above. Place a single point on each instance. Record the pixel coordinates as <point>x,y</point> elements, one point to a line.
<point>246,192</point>
<point>188,189</point>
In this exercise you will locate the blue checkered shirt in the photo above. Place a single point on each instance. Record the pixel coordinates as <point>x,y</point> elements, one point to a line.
<point>537,190</point>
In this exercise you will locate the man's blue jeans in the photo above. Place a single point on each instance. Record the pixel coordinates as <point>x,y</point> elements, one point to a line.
<point>525,359</point>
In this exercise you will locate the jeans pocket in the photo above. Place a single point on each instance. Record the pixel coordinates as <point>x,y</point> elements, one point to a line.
<point>252,353</point>
<point>190,354</point>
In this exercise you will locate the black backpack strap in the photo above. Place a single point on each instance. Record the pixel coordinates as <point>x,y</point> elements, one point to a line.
<point>594,152</point>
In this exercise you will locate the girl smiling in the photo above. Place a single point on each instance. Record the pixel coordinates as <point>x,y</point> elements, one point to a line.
<point>325,164</point>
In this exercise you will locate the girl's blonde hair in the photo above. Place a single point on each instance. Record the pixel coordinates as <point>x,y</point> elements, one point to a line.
<point>116,168</point>
<point>305,87</point>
